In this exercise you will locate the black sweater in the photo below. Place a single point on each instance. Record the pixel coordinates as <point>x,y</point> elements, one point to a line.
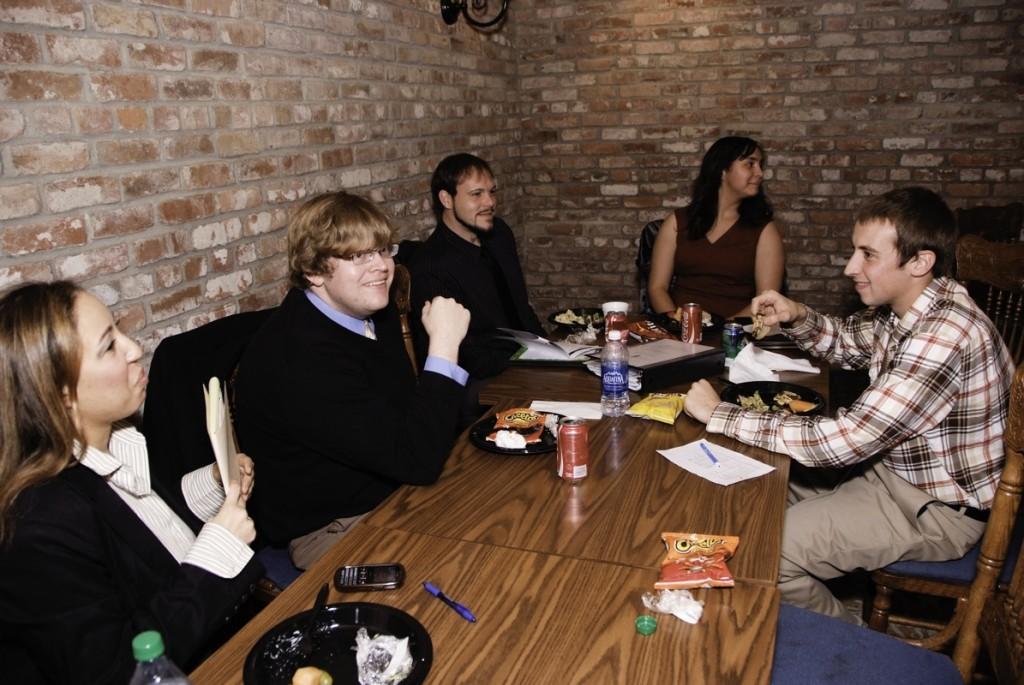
<point>486,280</point>
<point>336,421</point>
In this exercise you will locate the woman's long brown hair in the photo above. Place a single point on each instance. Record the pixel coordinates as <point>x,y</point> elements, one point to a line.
<point>40,357</point>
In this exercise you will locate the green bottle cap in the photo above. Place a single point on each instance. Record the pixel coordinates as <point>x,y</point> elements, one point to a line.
<point>147,646</point>
<point>646,625</point>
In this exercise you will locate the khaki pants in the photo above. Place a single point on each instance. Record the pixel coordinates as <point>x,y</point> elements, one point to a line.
<point>306,549</point>
<point>870,520</point>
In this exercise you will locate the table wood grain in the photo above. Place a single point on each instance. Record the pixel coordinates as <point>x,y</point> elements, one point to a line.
<point>542,618</point>
<point>617,514</point>
<point>554,571</point>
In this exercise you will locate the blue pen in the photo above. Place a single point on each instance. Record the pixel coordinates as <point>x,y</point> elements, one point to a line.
<point>711,455</point>
<point>464,612</point>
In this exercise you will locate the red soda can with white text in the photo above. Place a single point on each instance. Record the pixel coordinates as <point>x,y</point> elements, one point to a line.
<point>573,449</point>
<point>691,323</point>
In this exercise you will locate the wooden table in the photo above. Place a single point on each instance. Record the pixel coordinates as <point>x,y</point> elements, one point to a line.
<point>555,572</point>
<point>542,618</point>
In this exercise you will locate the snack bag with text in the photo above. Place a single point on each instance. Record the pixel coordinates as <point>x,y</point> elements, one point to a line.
<point>695,560</point>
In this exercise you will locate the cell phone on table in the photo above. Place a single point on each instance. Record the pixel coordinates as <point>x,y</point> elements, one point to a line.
<point>369,577</point>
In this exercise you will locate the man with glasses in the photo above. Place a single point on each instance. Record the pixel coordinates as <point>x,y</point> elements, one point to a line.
<point>471,257</point>
<point>327,402</point>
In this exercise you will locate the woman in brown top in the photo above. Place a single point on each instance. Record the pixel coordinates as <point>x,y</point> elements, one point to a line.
<point>722,249</point>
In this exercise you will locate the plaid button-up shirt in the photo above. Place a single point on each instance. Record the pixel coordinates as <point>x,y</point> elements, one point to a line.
<point>936,406</point>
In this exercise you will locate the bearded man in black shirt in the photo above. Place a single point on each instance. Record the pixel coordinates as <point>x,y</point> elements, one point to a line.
<point>471,257</point>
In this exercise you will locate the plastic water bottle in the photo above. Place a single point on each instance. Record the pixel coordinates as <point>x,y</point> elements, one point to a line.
<point>614,375</point>
<point>153,665</point>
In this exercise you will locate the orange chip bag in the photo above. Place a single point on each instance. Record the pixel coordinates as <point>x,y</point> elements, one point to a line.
<point>522,420</point>
<point>695,560</point>
<point>648,330</point>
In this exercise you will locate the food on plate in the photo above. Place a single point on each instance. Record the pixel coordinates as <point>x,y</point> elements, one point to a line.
<point>800,406</point>
<point>695,560</point>
<point>509,440</point>
<point>382,659</point>
<point>522,420</point>
<point>785,401</point>
<point>571,318</point>
<point>311,675</point>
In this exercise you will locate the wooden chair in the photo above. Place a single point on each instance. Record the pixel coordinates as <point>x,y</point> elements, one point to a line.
<point>999,269</point>
<point>401,289</point>
<point>995,616</point>
<point>972,579</point>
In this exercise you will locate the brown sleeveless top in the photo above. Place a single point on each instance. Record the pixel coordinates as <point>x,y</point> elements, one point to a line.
<point>718,276</point>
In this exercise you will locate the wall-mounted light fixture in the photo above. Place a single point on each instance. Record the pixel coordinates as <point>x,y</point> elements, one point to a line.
<point>450,10</point>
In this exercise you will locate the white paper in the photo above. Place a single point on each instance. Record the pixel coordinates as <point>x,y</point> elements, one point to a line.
<point>583,410</point>
<point>221,431</point>
<point>756,364</point>
<point>732,466</point>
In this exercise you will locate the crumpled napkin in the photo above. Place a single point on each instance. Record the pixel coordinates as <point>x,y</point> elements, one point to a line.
<point>383,659</point>
<point>679,603</point>
<point>755,364</point>
<point>634,376</point>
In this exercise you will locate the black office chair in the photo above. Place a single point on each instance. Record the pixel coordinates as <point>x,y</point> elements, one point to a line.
<point>174,419</point>
<point>644,250</point>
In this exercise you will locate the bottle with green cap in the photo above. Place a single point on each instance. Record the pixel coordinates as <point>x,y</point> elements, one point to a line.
<point>152,665</point>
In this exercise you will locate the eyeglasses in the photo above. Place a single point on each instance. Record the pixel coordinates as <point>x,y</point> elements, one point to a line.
<point>366,256</point>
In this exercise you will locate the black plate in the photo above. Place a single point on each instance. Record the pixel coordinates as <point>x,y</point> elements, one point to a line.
<point>275,658</point>
<point>769,389</point>
<point>673,326</point>
<point>480,430</point>
<point>582,311</point>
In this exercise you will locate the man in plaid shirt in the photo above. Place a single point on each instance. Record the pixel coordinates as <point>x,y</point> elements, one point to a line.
<point>921,449</point>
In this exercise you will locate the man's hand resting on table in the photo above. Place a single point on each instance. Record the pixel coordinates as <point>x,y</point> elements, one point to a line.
<point>701,401</point>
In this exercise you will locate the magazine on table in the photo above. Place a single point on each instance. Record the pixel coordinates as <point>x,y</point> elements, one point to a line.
<point>533,347</point>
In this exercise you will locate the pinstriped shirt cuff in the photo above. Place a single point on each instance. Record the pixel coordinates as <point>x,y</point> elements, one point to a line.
<point>203,496</point>
<point>219,552</point>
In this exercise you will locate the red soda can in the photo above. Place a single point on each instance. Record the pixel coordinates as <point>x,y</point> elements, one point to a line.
<point>691,323</point>
<point>573,449</point>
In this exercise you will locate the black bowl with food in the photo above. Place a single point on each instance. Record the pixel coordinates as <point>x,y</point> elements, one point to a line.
<point>577,318</point>
<point>774,396</point>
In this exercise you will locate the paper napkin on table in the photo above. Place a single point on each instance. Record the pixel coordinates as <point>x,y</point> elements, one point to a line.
<point>755,364</point>
<point>220,430</point>
<point>732,467</point>
<point>583,410</point>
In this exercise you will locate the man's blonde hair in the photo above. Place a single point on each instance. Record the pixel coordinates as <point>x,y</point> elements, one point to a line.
<point>332,225</point>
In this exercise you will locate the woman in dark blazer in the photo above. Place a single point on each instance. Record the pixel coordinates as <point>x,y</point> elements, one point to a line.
<point>91,551</point>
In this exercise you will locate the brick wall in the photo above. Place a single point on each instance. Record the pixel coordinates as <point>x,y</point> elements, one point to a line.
<point>151,149</point>
<point>621,97</point>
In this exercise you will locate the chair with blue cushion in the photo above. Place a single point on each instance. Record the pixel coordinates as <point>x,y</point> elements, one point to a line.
<point>812,648</point>
<point>975,578</point>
